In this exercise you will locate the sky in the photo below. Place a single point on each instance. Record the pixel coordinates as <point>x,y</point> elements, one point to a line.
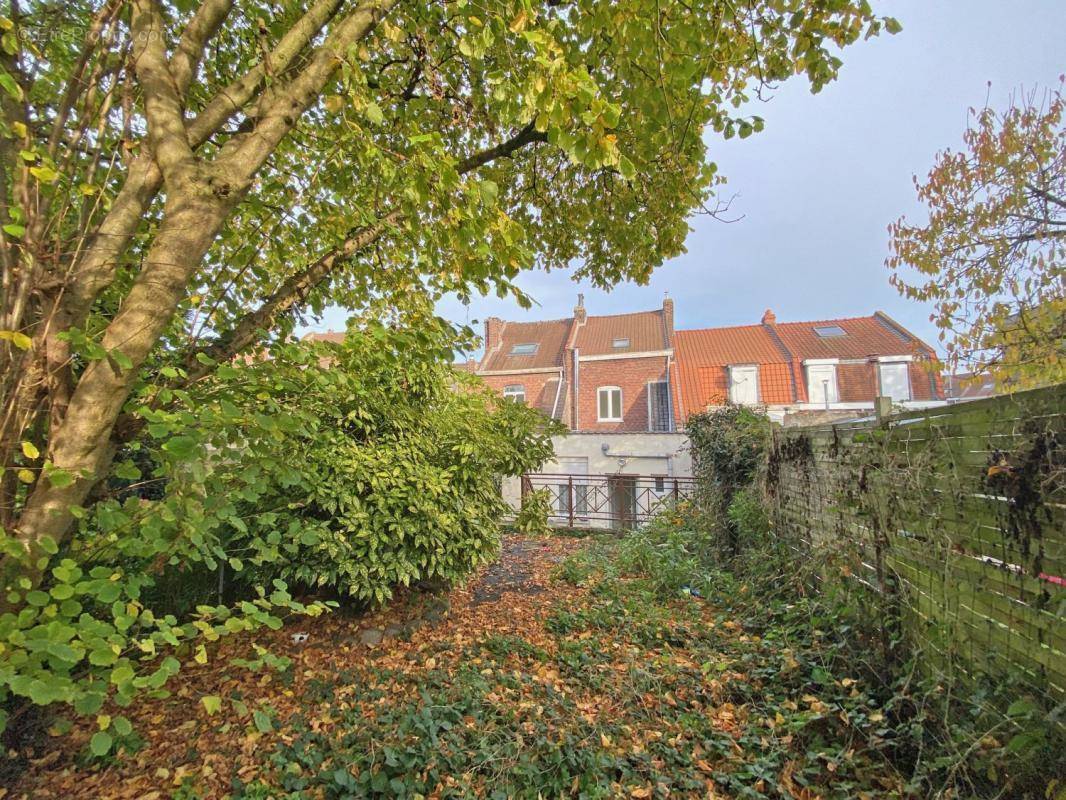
<point>816,190</point>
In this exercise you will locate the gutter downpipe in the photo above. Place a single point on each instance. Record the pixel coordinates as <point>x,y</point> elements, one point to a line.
<point>577,383</point>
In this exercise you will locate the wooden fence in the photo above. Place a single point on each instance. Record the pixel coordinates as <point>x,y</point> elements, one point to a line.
<point>955,517</point>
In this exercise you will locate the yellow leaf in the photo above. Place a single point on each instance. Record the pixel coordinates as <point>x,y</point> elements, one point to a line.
<point>518,24</point>
<point>201,655</point>
<point>19,127</point>
<point>20,340</point>
<point>29,450</point>
<point>26,476</point>
<point>104,721</point>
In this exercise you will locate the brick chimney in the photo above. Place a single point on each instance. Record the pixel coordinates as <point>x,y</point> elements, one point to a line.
<point>493,329</point>
<point>668,319</point>
<point>769,318</point>
<point>579,309</point>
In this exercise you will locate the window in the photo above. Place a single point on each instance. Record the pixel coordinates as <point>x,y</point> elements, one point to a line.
<point>829,331</point>
<point>527,349</point>
<point>516,392</point>
<point>895,380</point>
<point>660,485</point>
<point>610,403</point>
<point>822,383</point>
<point>658,406</point>
<point>618,344</point>
<point>744,385</point>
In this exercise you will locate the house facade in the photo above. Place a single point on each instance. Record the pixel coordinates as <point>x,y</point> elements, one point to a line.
<point>807,372</point>
<point>611,380</point>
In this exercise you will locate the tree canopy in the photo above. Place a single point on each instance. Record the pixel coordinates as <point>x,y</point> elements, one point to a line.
<point>991,254</point>
<point>183,180</point>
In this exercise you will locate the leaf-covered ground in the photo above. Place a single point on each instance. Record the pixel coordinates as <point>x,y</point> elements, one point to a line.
<point>539,680</point>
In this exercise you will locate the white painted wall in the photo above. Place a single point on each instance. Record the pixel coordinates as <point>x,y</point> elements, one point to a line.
<point>627,454</point>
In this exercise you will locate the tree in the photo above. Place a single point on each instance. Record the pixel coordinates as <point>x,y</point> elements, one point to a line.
<point>182,179</point>
<point>991,254</point>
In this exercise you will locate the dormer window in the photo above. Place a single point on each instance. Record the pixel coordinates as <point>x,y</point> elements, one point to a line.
<point>527,349</point>
<point>829,331</point>
<point>619,344</point>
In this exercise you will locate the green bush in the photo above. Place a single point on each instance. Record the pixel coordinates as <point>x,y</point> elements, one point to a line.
<point>357,467</point>
<point>532,518</point>
<point>672,552</point>
<point>729,445</point>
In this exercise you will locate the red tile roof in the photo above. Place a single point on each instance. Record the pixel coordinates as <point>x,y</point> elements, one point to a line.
<point>549,336</point>
<point>332,337</point>
<point>645,330</point>
<point>703,357</point>
<point>780,349</point>
<point>863,336</point>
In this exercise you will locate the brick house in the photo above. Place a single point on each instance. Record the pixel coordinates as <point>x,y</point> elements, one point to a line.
<point>603,374</point>
<point>805,372</point>
<point>612,381</point>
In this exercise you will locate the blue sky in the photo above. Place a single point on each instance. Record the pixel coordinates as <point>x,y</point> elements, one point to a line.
<point>819,186</point>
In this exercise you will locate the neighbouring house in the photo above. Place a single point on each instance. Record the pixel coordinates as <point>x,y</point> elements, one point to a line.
<point>807,372</point>
<point>611,380</point>
<point>963,386</point>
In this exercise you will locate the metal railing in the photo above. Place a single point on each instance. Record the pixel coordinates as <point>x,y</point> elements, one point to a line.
<point>616,501</point>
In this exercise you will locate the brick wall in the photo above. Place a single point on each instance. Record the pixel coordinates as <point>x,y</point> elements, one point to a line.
<point>632,375</point>
<point>540,387</point>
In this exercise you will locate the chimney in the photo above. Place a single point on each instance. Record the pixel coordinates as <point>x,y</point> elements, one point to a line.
<point>579,309</point>
<point>668,319</point>
<point>493,329</point>
<point>769,318</point>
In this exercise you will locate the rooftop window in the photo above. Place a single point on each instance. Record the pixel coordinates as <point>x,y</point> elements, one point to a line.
<point>620,343</point>
<point>527,349</point>
<point>829,331</point>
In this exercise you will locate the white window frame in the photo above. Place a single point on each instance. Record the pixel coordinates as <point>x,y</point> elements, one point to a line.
<point>738,368</point>
<point>515,392</point>
<point>599,394</point>
<point>881,365</point>
<point>818,397</point>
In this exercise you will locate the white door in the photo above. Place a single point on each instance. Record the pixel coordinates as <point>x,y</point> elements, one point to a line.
<point>822,383</point>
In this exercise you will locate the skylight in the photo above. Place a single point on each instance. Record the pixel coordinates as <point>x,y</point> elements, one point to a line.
<point>619,343</point>
<point>829,331</point>
<point>527,349</point>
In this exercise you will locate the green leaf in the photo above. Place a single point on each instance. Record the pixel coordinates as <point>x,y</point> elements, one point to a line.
<point>374,114</point>
<point>489,191</point>
<point>263,723</point>
<point>10,86</point>
<point>60,478</point>
<point>100,744</point>
<point>213,704</point>
<point>121,359</point>
<point>181,447</point>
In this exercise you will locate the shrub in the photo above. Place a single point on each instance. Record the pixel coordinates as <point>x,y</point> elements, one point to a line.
<point>729,446</point>
<point>357,467</point>
<point>532,518</point>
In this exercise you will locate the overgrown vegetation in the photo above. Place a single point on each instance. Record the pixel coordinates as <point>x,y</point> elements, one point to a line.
<point>349,468</point>
<point>944,738</point>
<point>532,517</point>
